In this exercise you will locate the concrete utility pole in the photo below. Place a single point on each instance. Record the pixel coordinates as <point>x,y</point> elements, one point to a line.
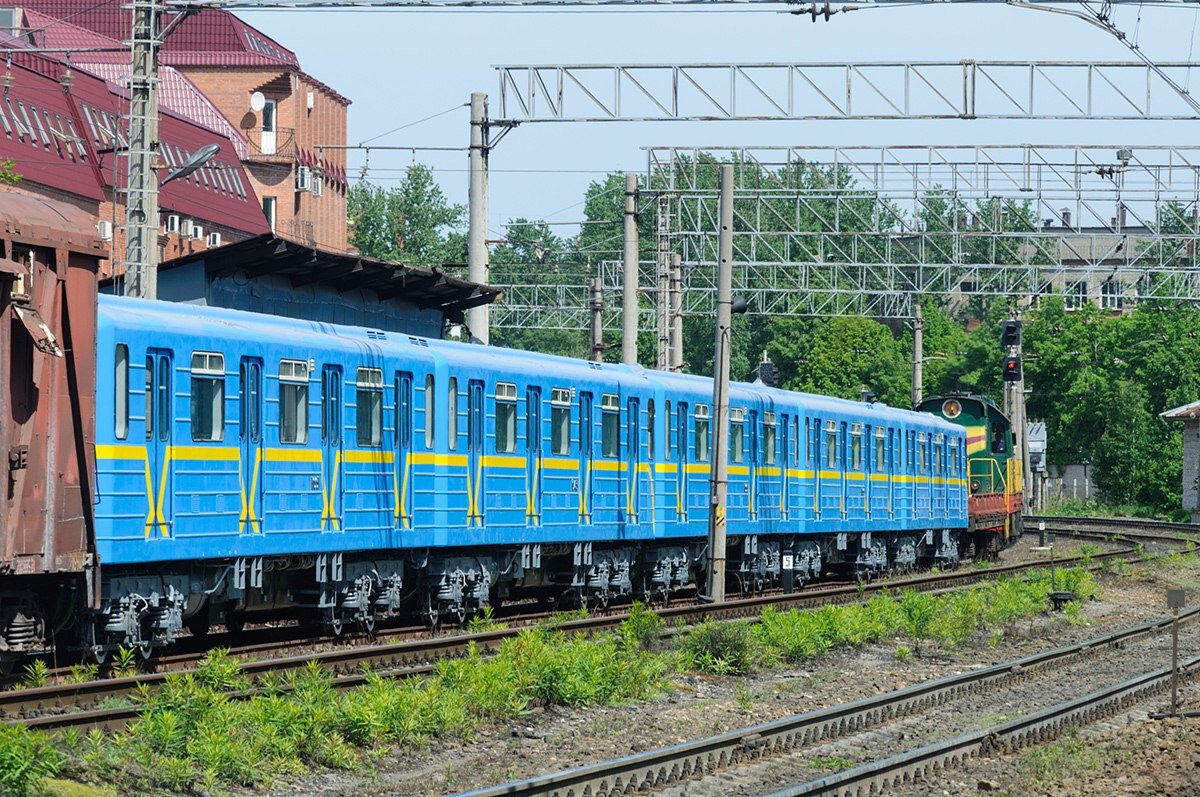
<point>676,360</point>
<point>478,318</point>
<point>719,472</point>
<point>596,308</point>
<point>629,292</point>
<point>918,361</point>
<point>141,192</point>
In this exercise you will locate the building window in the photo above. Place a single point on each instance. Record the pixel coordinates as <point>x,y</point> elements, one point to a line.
<point>560,421</point>
<point>737,434</point>
<point>1111,295</point>
<point>293,401</point>
<point>121,392</point>
<point>1076,295</point>
<point>610,425</point>
<point>208,396</point>
<point>506,418</point>
<point>701,443</point>
<point>368,406</point>
<point>268,205</point>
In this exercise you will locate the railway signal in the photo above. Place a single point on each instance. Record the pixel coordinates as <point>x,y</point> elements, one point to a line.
<point>1010,334</point>
<point>1011,369</point>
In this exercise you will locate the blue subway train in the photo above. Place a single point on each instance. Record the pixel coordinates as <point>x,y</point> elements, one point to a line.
<point>247,464</point>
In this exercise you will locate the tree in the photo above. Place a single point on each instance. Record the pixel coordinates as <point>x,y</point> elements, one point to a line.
<point>412,223</point>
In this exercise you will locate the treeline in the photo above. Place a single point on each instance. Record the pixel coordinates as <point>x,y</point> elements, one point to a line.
<point>1097,378</point>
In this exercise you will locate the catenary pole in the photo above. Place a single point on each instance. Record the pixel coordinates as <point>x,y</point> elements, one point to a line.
<point>141,192</point>
<point>676,363</point>
<point>719,470</point>
<point>629,292</point>
<point>596,309</point>
<point>918,358</point>
<point>478,318</point>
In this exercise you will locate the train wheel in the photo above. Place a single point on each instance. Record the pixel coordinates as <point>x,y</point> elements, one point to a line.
<point>335,625</point>
<point>145,649</point>
<point>367,623</point>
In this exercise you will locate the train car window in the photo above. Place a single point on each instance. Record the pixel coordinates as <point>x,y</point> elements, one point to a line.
<point>922,454</point>
<point>670,437</point>
<point>208,397</point>
<point>939,445</point>
<point>856,446</point>
<point>737,434</point>
<point>121,392</point>
<point>368,406</point>
<point>506,417</point>
<point>452,413</point>
<point>293,401</point>
<point>560,421</point>
<point>880,450</point>
<point>769,438</point>
<point>701,443</point>
<point>610,428</point>
<point>149,398</point>
<point>430,410</point>
<point>831,444</point>
<point>651,420</point>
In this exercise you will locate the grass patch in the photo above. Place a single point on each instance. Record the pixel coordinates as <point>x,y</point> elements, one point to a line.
<point>1058,761</point>
<point>830,764</point>
<point>192,735</point>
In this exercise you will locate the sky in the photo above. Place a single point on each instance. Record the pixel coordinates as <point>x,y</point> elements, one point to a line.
<point>400,67</point>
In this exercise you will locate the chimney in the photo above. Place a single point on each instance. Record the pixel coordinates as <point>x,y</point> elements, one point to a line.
<point>1122,215</point>
<point>1066,217</point>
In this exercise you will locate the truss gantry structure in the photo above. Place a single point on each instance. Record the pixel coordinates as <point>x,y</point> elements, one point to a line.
<point>862,230</point>
<point>1123,90</point>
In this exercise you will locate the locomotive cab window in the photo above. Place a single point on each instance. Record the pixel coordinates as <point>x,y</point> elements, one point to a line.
<point>701,443</point>
<point>610,425</point>
<point>769,437</point>
<point>999,440</point>
<point>208,397</point>
<point>560,421</point>
<point>368,406</point>
<point>506,417</point>
<point>121,392</point>
<point>737,434</point>
<point>293,401</point>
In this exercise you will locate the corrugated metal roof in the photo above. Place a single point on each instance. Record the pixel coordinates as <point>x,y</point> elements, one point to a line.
<point>53,136</point>
<point>1187,412</point>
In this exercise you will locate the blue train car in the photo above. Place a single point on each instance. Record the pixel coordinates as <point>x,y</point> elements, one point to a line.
<point>252,463</point>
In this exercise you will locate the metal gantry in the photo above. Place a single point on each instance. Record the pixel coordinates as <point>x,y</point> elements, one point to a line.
<point>860,230</point>
<point>1118,90</point>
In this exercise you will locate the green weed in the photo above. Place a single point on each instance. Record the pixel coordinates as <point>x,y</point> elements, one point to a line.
<point>831,763</point>
<point>83,673</point>
<point>903,653</point>
<point>37,673</point>
<point>1065,759</point>
<point>125,663</point>
<point>27,759</point>
<point>485,620</point>
<point>722,648</point>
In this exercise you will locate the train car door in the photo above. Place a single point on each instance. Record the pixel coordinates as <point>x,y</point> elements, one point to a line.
<point>633,457</point>
<point>586,453</point>
<point>533,455</point>
<point>475,438</point>
<point>331,447</point>
<point>250,441</point>
<point>403,454</point>
<point>784,458</point>
<point>681,448</point>
<point>752,463</point>
<point>160,420</point>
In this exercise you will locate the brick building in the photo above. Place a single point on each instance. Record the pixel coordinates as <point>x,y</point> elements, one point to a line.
<point>212,65</point>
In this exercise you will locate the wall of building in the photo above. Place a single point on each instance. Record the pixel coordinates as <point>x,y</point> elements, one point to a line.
<point>302,216</point>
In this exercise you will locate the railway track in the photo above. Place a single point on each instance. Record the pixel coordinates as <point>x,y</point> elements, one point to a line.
<point>97,703</point>
<point>670,767</point>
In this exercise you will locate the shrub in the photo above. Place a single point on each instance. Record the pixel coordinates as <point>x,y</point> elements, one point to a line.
<point>27,759</point>
<point>721,648</point>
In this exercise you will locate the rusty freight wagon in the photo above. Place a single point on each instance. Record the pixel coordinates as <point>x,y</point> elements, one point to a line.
<point>49,254</point>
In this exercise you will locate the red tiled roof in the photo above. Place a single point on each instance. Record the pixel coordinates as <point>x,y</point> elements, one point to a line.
<point>53,137</point>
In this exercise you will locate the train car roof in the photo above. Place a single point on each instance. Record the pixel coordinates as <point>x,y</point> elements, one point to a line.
<point>199,321</point>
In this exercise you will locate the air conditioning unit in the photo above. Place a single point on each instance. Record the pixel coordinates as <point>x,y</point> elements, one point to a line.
<point>105,229</point>
<point>304,179</point>
<point>214,239</point>
<point>173,223</point>
<point>318,184</point>
<point>197,232</point>
<point>185,229</point>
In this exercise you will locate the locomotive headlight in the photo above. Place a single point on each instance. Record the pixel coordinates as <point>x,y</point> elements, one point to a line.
<point>951,408</point>
<point>975,485</point>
